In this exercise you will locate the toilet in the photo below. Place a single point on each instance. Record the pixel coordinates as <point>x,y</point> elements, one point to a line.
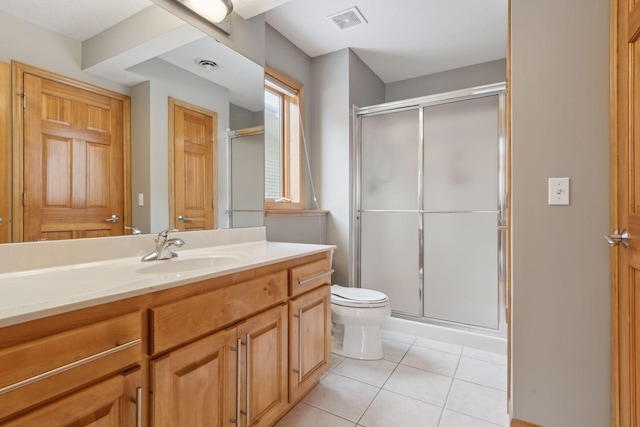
<point>356,316</point>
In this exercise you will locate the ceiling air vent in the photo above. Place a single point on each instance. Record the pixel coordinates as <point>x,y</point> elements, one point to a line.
<point>207,64</point>
<point>348,18</point>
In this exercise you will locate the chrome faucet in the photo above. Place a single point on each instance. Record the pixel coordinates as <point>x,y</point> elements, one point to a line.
<point>163,243</point>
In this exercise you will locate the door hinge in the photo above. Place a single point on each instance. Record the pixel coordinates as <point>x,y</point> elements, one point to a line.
<point>24,199</point>
<point>24,99</point>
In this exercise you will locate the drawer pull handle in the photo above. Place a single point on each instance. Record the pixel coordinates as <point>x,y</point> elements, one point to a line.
<point>300,346</point>
<point>312,278</point>
<point>248,376</point>
<point>68,366</point>
<point>139,407</point>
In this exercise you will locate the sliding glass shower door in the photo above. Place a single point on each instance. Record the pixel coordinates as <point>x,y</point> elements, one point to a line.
<point>430,203</point>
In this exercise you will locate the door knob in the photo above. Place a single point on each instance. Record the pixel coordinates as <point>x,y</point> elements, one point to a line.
<point>114,218</point>
<point>618,238</point>
<point>182,218</point>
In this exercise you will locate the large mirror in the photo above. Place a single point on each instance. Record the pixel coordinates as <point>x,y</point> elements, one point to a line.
<point>145,52</point>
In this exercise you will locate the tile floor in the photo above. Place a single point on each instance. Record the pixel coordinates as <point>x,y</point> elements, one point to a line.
<point>420,382</point>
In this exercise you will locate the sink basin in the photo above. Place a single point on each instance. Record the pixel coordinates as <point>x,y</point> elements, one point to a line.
<point>183,265</point>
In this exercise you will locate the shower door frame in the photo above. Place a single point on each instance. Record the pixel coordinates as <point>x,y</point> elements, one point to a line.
<point>497,89</point>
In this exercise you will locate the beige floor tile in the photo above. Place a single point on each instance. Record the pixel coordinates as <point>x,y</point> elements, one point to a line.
<point>390,409</point>
<point>431,360</point>
<point>341,396</point>
<point>419,384</point>
<point>485,356</point>
<point>485,403</point>
<point>303,415</point>
<point>335,361</point>
<point>394,351</point>
<point>397,336</point>
<point>483,373</point>
<point>374,372</point>
<point>439,345</point>
<point>454,419</point>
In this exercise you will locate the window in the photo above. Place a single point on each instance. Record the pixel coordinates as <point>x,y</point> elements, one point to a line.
<point>284,180</point>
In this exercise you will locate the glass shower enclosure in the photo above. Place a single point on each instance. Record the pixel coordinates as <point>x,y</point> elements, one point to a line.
<point>430,206</point>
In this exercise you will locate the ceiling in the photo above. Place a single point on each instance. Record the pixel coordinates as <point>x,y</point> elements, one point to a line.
<point>402,39</point>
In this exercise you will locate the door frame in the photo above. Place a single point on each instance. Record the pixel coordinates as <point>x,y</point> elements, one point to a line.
<point>615,199</point>
<point>18,70</point>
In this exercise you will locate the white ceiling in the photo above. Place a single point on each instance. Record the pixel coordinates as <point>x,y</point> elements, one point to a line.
<point>402,39</point>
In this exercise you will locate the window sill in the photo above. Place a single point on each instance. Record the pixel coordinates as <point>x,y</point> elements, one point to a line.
<point>276,213</point>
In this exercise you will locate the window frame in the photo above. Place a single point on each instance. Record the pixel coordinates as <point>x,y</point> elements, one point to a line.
<point>292,161</point>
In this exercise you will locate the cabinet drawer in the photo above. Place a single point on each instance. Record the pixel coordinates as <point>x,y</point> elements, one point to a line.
<point>310,276</point>
<point>182,321</point>
<point>45,368</point>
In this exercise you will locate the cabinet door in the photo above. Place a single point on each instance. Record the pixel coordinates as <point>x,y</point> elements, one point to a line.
<point>310,334</point>
<point>195,385</point>
<point>113,402</point>
<point>264,371</point>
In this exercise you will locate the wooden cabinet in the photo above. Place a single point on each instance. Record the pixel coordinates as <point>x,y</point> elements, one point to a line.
<point>309,345</point>
<point>46,368</point>
<point>195,385</point>
<point>232,351</point>
<point>239,373</point>
<point>112,402</point>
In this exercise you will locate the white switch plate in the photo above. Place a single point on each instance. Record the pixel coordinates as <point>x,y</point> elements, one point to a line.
<point>558,191</point>
<point>140,199</point>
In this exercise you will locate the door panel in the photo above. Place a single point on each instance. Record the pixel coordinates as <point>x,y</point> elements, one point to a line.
<point>195,385</point>
<point>5,151</point>
<point>193,149</point>
<point>73,161</point>
<point>264,339</point>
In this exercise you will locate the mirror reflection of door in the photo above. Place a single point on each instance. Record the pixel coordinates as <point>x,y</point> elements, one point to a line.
<point>5,151</point>
<point>73,157</point>
<point>192,161</point>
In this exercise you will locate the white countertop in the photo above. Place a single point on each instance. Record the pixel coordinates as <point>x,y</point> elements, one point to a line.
<point>37,293</point>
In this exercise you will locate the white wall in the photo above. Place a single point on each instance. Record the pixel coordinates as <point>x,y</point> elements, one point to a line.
<point>446,81</point>
<point>561,301</point>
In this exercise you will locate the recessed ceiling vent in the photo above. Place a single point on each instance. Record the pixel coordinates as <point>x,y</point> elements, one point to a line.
<point>348,18</point>
<point>207,64</point>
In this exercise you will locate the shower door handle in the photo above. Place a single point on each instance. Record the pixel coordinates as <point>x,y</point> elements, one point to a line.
<point>618,238</point>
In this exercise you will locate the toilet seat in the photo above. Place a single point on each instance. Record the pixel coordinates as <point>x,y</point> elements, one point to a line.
<point>357,297</point>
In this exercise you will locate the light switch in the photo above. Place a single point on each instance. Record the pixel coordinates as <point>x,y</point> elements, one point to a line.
<point>558,191</point>
<point>140,199</point>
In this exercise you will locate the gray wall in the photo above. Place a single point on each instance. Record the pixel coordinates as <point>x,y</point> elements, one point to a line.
<point>167,80</point>
<point>446,81</point>
<point>330,154</point>
<point>33,45</point>
<point>288,58</point>
<point>561,301</point>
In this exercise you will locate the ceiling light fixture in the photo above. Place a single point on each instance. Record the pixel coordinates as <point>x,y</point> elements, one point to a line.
<point>212,10</point>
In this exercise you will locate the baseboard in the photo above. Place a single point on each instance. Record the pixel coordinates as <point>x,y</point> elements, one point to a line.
<point>452,336</point>
<point>519,423</point>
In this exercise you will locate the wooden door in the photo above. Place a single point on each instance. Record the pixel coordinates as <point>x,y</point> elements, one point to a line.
<point>110,403</point>
<point>195,385</point>
<point>310,345</point>
<point>264,367</point>
<point>73,165</point>
<point>193,160</point>
<point>625,212</point>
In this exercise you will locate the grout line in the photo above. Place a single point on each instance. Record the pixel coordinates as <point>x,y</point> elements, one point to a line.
<point>453,378</point>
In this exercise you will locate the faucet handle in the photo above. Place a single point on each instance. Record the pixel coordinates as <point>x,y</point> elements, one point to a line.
<point>165,233</point>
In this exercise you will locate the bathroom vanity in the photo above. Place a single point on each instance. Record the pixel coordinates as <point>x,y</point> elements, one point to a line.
<point>226,335</point>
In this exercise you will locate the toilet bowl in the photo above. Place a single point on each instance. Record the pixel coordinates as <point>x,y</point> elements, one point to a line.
<point>356,316</point>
